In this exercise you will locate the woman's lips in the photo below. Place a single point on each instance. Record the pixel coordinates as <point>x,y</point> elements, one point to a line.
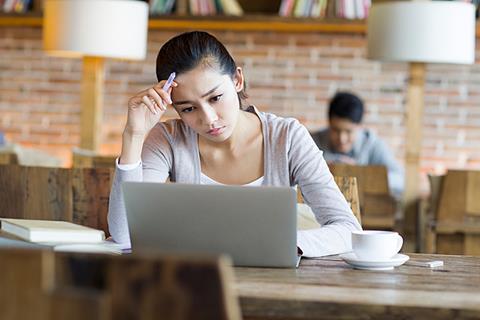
<point>215,131</point>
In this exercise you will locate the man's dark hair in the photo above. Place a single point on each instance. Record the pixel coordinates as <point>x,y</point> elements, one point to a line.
<point>346,105</point>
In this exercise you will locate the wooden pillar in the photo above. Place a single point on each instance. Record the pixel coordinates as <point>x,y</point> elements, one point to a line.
<point>92,103</point>
<point>413,144</point>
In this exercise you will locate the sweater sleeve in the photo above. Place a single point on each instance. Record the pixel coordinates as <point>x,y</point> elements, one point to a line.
<point>156,164</point>
<point>310,172</point>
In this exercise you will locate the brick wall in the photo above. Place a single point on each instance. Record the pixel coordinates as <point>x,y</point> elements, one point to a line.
<point>288,74</point>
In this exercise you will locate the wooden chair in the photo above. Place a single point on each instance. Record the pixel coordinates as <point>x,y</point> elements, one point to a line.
<point>38,284</point>
<point>8,158</point>
<point>427,216</point>
<point>79,195</point>
<point>349,188</point>
<point>23,283</point>
<point>88,159</point>
<point>376,203</point>
<point>455,221</point>
<point>172,288</point>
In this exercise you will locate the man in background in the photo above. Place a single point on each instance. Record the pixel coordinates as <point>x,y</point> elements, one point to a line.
<point>347,141</point>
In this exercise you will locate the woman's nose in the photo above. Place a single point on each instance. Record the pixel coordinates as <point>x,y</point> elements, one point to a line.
<point>209,115</point>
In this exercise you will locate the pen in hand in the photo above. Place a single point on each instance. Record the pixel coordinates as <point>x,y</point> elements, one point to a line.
<point>169,82</point>
<point>161,104</point>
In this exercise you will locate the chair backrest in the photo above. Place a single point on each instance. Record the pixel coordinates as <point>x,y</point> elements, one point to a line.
<point>79,195</point>
<point>435,182</point>
<point>376,203</point>
<point>457,218</point>
<point>88,159</point>
<point>23,283</point>
<point>349,188</point>
<point>8,158</point>
<point>39,284</point>
<point>175,288</point>
<point>460,196</point>
<point>372,179</point>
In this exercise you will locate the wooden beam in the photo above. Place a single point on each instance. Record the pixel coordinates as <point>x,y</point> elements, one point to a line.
<point>413,119</point>
<point>244,23</point>
<point>92,103</point>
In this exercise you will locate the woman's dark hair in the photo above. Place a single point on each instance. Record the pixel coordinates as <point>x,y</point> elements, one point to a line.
<point>186,51</point>
<point>346,105</point>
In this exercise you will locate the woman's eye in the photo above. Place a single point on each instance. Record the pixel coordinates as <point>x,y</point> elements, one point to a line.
<point>216,98</point>
<point>187,110</point>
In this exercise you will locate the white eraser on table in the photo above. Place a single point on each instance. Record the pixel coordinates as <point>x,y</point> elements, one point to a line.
<point>434,264</point>
<point>427,264</point>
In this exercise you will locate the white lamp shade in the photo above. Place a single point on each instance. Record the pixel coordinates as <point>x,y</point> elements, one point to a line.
<point>98,28</point>
<point>422,31</point>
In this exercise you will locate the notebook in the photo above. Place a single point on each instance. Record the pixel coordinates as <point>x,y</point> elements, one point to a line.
<point>51,231</point>
<point>255,226</point>
<point>59,236</point>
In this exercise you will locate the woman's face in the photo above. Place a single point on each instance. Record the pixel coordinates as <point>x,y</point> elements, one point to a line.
<point>207,101</point>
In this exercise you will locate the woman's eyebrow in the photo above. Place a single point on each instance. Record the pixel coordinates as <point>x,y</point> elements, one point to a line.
<point>203,96</point>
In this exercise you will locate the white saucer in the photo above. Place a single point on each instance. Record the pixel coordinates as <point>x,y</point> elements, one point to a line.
<point>389,264</point>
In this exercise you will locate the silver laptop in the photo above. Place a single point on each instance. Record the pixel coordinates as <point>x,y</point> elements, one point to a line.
<point>255,226</point>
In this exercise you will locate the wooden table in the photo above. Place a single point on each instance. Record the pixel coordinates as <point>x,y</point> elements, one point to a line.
<point>328,288</point>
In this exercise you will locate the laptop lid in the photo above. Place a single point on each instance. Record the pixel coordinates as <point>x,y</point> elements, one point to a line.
<point>255,226</point>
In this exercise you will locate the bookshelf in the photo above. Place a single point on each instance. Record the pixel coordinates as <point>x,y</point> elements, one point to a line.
<point>244,23</point>
<point>260,15</point>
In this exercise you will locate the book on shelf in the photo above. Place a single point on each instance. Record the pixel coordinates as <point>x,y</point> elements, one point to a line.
<point>17,6</point>
<point>57,235</point>
<point>158,7</point>
<point>213,7</point>
<point>231,7</point>
<point>346,9</point>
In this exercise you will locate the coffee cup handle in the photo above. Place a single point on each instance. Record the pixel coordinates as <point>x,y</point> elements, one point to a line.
<point>400,243</point>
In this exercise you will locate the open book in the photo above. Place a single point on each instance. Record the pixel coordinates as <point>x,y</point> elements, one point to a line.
<point>58,235</point>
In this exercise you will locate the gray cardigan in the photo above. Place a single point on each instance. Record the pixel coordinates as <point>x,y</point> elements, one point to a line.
<point>290,158</point>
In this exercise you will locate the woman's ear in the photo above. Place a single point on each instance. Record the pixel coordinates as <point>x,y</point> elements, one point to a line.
<point>238,79</point>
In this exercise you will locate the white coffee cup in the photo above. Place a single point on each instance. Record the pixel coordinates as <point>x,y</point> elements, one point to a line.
<point>376,245</point>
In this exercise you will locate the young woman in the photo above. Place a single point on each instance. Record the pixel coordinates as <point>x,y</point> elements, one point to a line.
<point>216,141</point>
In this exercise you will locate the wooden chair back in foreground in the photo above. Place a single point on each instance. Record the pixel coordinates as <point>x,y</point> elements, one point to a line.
<point>88,159</point>
<point>8,158</point>
<point>24,283</point>
<point>38,284</point>
<point>79,195</point>
<point>349,188</point>
<point>173,288</point>
<point>457,218</point>
<point>376,203</point>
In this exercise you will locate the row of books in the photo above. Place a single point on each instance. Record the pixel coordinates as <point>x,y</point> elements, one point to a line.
<point>303,8</point>
<point>352,9</point>
<point>161,6</point>
<point>16,6</point>
<point>195,7</point>
<point>345,9</point>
